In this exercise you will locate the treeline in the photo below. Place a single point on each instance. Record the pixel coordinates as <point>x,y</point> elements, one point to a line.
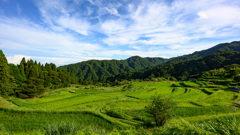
<point>233,46</point>
<point>99,70</point>
<point>30,78</point>
<point>227,75</point>
<point>96,70</point>
<point>183,70</point>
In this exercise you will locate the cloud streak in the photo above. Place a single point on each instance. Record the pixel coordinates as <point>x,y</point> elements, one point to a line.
<point>103,29</point>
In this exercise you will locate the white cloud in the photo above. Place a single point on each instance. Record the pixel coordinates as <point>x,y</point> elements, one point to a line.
<point>59,15</point>
<point>16,59</point>
<point>219,17</point>
<point>113,11</point>
<point>113,27</point>
<point>155,20</point>
<point>22,35</point>
<point>168,38</point>
<point>145,42</point>
<point>162,23</point>
<point>117,41</point>
<point>202,15</point>
<point>175,46</point>
<point>74,24</point>
<point>165,29</point>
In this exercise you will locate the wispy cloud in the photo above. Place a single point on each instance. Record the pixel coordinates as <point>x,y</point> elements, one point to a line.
<point>16,59</point>
<point>23,36</point>
<point>100,29</point>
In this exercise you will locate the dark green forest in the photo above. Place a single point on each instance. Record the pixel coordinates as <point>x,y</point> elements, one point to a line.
<point>29,78</point>
<point>185,69</point>
<point>233,46</point>
<point>227,75</point>
<point>99,70</point>
<point>94,70</point>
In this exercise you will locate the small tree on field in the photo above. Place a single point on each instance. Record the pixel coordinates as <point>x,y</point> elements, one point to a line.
<point>160,109</point>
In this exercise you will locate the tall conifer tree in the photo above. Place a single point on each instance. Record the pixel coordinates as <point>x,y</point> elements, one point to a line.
<point>5,86</point>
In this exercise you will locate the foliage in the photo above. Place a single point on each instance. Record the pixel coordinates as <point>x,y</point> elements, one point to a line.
<point>233,46</point>
<point>237,78</point>
<point>227,75</point>
<point>109,110</point>
<point>5,78</point>
<point>174,68</point>
<point>29,79</point>
<point>160,109</point>
<point>183,70</point>
<point>94,70</point>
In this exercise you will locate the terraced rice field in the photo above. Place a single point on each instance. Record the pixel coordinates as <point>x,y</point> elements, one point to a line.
<point>108,108</point>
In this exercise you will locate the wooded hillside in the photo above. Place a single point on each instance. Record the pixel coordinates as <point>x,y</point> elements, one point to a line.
<point>98,69</point>
<point>30,78</point>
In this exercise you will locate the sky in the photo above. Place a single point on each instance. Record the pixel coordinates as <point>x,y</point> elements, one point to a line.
<point>70,31</point>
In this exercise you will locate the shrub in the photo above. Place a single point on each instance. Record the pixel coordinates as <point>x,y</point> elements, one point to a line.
<point>160,109</point>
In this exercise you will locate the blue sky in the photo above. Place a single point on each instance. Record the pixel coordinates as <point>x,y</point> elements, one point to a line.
<point>70,31</point>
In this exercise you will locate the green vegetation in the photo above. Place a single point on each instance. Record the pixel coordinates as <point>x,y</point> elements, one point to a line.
<point>160,109</point>
<point>117,110</point>
<point>54,101</point>
<point>29,79</point>
<point>95,70</point>
<point>5,80</point>
<point>183,70</point>
<point>233,46</point>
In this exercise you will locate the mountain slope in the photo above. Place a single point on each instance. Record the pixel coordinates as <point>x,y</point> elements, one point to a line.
<point>97,69</point>
<point>233,46</point>
<point>182,70</point>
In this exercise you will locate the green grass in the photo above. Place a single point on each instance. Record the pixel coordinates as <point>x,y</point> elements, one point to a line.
<point>105,110</point>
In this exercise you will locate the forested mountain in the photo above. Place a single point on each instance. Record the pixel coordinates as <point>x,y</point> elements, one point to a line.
<point>227,75</point>
<point>233,46</point>
<point>98,69</point>
<point>30,78</point>
<point>183,70</point>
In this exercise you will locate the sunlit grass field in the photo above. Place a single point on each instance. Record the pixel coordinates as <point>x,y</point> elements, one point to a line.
<point>102,109</point>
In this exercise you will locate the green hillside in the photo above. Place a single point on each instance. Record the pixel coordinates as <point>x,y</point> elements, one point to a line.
<point>228,75</point>
<point>233,46</point>
<point>29,78</point>
<point>117,110</point>
<point>183,70</point>
<point>208,105</point>
<point>98,69</point>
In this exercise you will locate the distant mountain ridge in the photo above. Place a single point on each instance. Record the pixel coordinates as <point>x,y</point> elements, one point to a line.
<point>99,69</point>
<point>183,70</point>
<point>233,46</point>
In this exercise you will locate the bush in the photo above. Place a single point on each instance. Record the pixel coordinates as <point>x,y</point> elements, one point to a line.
<point>160,109</point>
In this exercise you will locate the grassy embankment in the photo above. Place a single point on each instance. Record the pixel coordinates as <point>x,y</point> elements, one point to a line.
<point>106,109</point>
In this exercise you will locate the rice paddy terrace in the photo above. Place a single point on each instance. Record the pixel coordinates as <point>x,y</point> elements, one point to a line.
<point>102,109</point>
